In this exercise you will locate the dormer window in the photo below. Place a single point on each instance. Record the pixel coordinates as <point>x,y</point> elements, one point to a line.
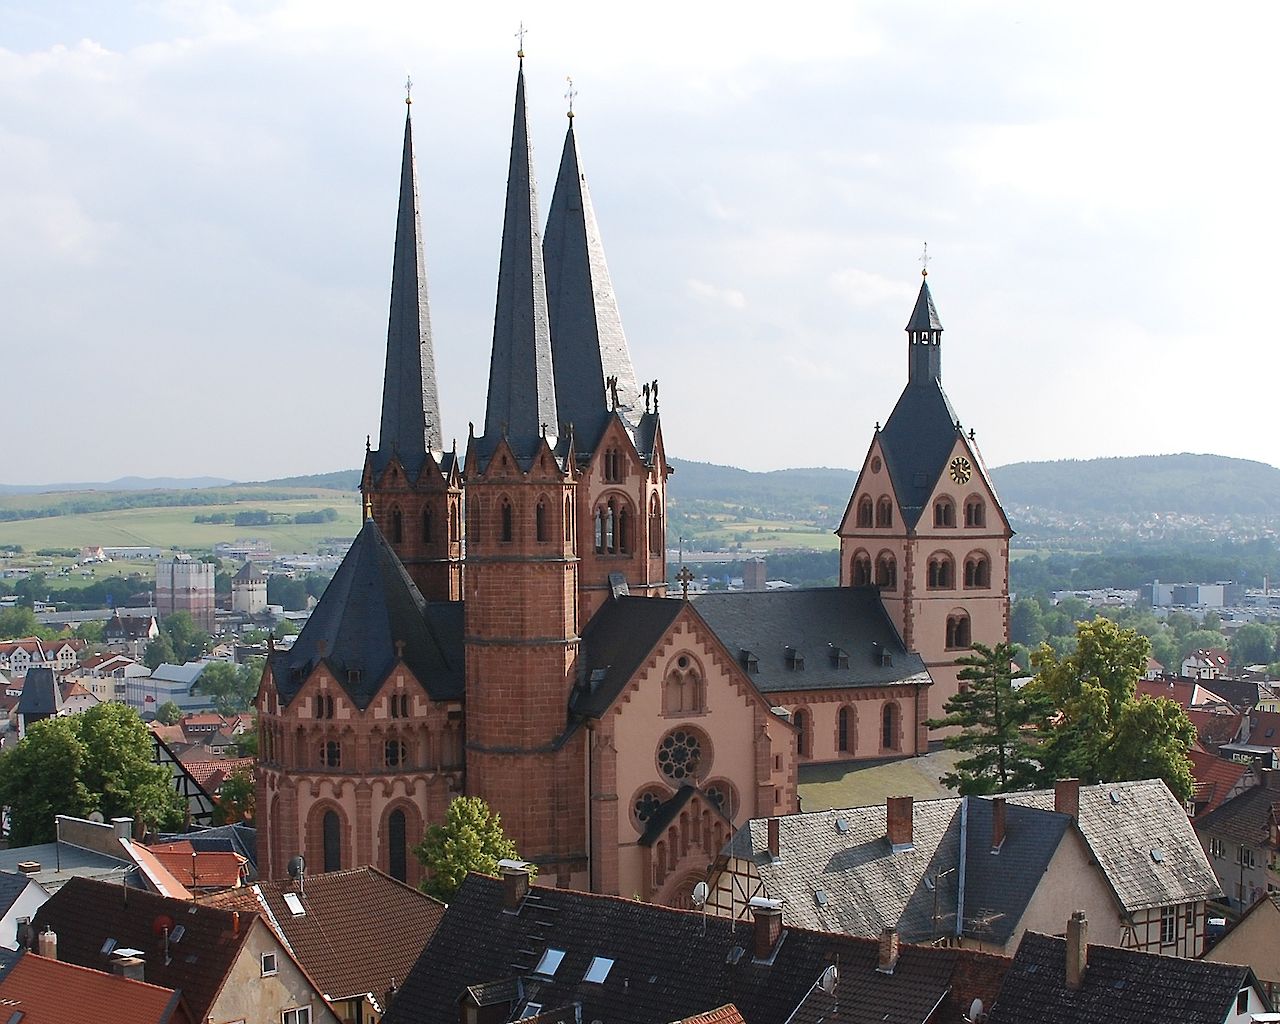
<point>795,660</point>
<point>749,662</point>
<point>839,656</point>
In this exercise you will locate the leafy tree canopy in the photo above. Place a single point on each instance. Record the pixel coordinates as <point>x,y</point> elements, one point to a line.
<point>169,713</point>
<point>470,839</point>
<point>236,798</point>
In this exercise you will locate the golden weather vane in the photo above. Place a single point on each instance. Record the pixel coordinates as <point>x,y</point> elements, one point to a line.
<point>570,93</point>
<point>520,34</point>
<point>408,89</point>
<point>924,261</point>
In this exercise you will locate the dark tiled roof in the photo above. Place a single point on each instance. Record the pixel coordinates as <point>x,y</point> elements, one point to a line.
<point>238,838</point>
<point>671,809</point>
<point>1243,693</point>
<point>40,693</point>
<point>616,642</point>
<point>587,342</point>
<point>369,605</point>
<point>12,885</point>
<point>1245,818</point>
<point>361,932</point>
<point>667,964</point>
<point>924,317</point>
<point>1120,986</point>
<point>813,623</point>
<point>410,403</point>
<point>916,441</point>
<point>37,990</point>
<point>249,573</point>
<point>85,913</point>
<point>522,393</point>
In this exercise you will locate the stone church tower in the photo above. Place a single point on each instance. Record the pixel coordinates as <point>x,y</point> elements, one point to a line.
<point>924,525</point>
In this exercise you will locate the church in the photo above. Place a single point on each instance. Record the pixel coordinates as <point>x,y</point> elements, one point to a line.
<point>503,625</point>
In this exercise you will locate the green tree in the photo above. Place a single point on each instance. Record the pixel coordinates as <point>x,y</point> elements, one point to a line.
<point>995,722</point>
<point>236,798</point>
<point>231,687</point>
<point>285,627</point>
<point>19,622</point>
<point>1150,741</point>
<point>1026,622</point>
<point>119,771</point>
<point>189,641</point>
<point>159,652</point>
<point>168,713</point>
<point>470,839</point>
<point>1200,639</point>
<point>40,778</point>
<point>1252,644</point>
<point>290,594</point>
<point>91,632</point>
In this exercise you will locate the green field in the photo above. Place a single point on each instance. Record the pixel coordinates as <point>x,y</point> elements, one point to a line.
<point>175,526</point>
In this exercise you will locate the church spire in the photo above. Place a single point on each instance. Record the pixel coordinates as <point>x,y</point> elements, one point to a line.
<point>410,403</point>
<point>924,338</point>
<point>587,341</point>
<point>522,396</point>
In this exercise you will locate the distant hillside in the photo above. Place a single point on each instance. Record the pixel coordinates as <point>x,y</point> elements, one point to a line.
<point>781,488</point>
<point>125,483</point>
<point>1199,485</point>
<point>340,480</point>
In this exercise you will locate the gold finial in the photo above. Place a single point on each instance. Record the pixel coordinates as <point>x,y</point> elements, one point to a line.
<point>520,35</point>
<point>408,91</point>
<point>924,261</point>
<point>570,93</point>
<point>368,509</point>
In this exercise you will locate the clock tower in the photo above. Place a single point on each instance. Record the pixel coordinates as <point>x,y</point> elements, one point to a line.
<point>924,525</point>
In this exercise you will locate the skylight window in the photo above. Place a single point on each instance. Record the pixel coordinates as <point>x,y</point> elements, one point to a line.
<point>599,970</point>
<point>108,947</point>
<point>177,933</point>
<point>550,963</point>
<point>530,1010</point>
<point>294,904</point>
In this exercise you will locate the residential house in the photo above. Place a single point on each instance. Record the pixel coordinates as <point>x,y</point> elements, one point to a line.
<point>505,951</point>
<point>199,800</point>
<point>1241,840</point>
<point>17,657</point>
<point>35,989</point>
<point>80,848</point>
<point>358,933</point>
<point>107,673</point>
<point>982,872</point>
<point>1262,731</point>
<point>1206,663</point>
<point>1218,730</point>
<point>238,838</point>
<point>130,633</point>
<point>1186,693</point>
<point>1254,941</point>
<point>76,697</point>
<point>1068,981</point>
<point>229,966</point>
<point>20,897</point>
<point>200,871</point>
<point>1217,780</point>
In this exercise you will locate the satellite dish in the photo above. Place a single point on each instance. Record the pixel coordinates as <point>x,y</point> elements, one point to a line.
<point>97,817</point>
<point>829,979</point>
<point>700,893</point>
<point>975,1010</point>
<point>162,925</point>
<point>297,867</point>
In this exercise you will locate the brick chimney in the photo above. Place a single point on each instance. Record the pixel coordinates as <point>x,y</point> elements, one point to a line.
<point>1077,950</point>
<point>1066,797</point>
<point>997,823</point>
<point>768,926</point>
<point>888,959</point>
<point>775,843</point>
<point>515,884</point>
<point>898,822</point>
<point>132,967</point>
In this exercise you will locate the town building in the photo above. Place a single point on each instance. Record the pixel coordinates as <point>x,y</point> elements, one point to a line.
<point>249,590</point>
<point>177,684</point>
<point>20,897</point>
<point>1242,839</point>
<point>520,644</point>
<point>185,584</point>
<point>1254,940</point>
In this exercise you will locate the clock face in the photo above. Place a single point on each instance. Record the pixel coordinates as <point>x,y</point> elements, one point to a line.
<point>961,469</point>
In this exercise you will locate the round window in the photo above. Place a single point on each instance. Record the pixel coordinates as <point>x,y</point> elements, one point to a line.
<point>721,793</point>
<point>648,803</point>
<point>681,756</point>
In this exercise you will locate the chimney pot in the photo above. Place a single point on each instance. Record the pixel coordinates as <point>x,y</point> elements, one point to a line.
<point>48,943</point>
<point>775,843</point>
<point>29,867</point>
<point>888,959</point>
<point>768,926</point>
<point>898,822</point>
<point>1077,950</point>
<point>998,811</point>
<point>515,884</point>
<point>1066,797</point>
<point>123,827</point>
<point>132,967</point>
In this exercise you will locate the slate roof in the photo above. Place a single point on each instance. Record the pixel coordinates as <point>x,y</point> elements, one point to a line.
<point>1120,986</point>
<point>249,573</point>
<point>369,605</point>
<point>362,930</point>
<point>85,913</point>
<point>667,964</point>
<point>522,393</point>
<point>187,674</point>
<point>410,401</point>
<point>1245,818</point>
<point>587,341</point>
<point>12,885</point>
<point>916,440</point>
<point>852,619</point>
<point>62,861</point>
<point>37,990</point>
<point>617,641</point>
<point>40,693</point>
<point>924,315</point>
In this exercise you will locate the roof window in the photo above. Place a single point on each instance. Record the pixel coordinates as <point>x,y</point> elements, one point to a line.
<point>749,661</point>
<point>294,904</point>
<point>599,970</point>
<point>795,660</point>
<point>839,656</point>
<point>550,963</point>
<point>530,1010</point>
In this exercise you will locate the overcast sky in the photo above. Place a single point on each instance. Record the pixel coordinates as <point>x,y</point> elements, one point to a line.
<point>197,207</point>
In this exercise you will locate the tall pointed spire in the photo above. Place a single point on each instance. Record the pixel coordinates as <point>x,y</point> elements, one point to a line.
<point>522,395</point>
<point>924,338</point>
<point>410,402</point>
<point>587,340</point>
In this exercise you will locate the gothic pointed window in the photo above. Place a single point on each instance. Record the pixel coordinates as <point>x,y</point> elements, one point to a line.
<point>864,512</point>
<point>540,520</point>
<point>397,861</point>
<point>568,519</point>
<point>887,571</point>
<point>860,570</point>
<point>804,732</point>
<point>332,828</point>
<point>508,525</point>
<point>683,691</point>
<point>599,530</point>
<point>426,526</point>
<point>453,522</point>
<point>884,513</point>
<point>611,528</point>
<point>397,526</point>
<point>624,531</point>
<point>655,526</point>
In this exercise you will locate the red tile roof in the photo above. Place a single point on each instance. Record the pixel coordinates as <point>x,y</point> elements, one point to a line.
<point>210,774</point>
<point>1215,779</point>
<point>1213,728</point>
<point>206,869</point>
<point>49,991</point>
<point>727,1014</point>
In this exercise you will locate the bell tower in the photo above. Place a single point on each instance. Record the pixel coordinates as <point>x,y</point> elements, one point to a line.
<point>412,488</point>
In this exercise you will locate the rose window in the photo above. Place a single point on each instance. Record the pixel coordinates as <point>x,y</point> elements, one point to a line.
<point>646,806</point>
<point>721,794</point>
<point>680,755</point>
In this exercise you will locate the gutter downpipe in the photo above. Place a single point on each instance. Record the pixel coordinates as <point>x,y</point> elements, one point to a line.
<point>964,834</point>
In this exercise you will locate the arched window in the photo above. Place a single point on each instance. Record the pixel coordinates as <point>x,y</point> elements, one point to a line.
<point>426,525</point>
<point>864,512</point>
<point>393,754</point>
<point>453,522</point>
<point>887,571</point>
<point>975,512</point>
<point>540,520</point>
<point>655,526</point>
<point>599,530</point>
<point>958,635</point>
<point>397,526</point>
<point>844,730</point>
<point>884,513</point>
<point>332,828</point>
<point>330,754</point>
<point>612,466</point>
<point>624,531</point>
<point>860,570</point>
<point>508,526</point>
<point>568,519</point>
<point>397,861</point>
<point>977,571</point>
<point>889,716</point>
<point>804,732</point>
<point>942,572</point>
<point>944,512</point>
<point>683,690</point>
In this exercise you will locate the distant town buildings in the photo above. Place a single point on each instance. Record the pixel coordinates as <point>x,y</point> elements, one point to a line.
<point>184,584</point>
<point>249,590</point>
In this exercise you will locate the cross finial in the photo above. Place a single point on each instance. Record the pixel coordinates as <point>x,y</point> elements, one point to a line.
<point>685,577</point>
<point>569,94</point>
<point>924,261</point>
<point>520,34</point>
<point>368,509</point>
<point>408,91</point>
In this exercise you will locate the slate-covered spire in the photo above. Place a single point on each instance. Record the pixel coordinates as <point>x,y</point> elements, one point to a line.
<point>924,338</point>
<point>522,392</point>
<point>587,340</point>
<point>410,402</point>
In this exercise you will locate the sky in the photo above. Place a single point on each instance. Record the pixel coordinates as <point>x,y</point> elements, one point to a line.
<point>197,208</point>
